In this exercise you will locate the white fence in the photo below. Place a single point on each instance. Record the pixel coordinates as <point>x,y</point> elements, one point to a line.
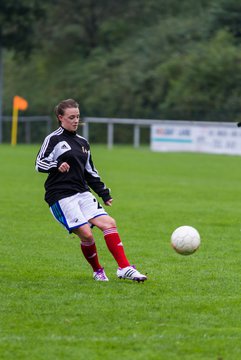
<point>26,122</point>
<point>171,135</point>
<point>137,124</point>
<point>165,135</point>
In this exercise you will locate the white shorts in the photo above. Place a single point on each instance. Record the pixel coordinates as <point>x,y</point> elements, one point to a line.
<point>76,210</point>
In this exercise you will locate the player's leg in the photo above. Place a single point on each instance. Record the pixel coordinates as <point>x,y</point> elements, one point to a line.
<point>96,215</point>
<point>68,213</point>
<point>108,225</point>
<point>89,250</point>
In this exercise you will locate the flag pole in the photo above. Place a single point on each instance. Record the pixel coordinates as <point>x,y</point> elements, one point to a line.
<point>19,103</point>
<point>14,126</point>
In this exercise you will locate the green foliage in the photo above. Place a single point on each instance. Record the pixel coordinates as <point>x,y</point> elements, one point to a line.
<point>138,59</point>
<point>189,308</point>
<point>17,24</point>
<point>226,14</point>
<point>208,78</point>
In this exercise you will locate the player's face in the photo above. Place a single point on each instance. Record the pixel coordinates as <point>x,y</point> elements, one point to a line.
<point>70,119</point>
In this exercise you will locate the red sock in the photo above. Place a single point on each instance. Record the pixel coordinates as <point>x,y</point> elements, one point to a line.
<point>115,246</point>
<point>90,253</point>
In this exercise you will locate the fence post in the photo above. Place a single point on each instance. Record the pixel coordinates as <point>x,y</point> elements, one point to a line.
<point>110,134</point>
<point>136,136</point>
<point>86,130</point>
<point>27,132</point>
<point>48,125</point>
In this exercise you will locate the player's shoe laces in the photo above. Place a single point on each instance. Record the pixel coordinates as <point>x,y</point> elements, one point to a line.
<point>130,273</point>
<point>100,275</point>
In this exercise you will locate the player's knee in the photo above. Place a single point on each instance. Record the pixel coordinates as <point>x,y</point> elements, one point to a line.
<point>104,222</point>
<point>112,222</point>
<point>84,234</point>
<point>86,239</point>
<point>109,223</point>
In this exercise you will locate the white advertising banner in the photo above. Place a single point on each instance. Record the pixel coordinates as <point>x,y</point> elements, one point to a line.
<point>217,138</point>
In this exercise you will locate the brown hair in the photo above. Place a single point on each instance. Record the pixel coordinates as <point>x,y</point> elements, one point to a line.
<point>64,104</point>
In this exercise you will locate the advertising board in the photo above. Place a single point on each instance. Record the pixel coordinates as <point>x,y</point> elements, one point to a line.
<point>180,136</point>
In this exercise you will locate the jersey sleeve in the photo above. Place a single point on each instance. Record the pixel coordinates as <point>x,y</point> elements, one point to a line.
<point>45,161</point>
<point>94,181</point>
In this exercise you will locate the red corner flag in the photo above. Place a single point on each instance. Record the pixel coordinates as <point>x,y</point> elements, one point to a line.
<point>19,103</point>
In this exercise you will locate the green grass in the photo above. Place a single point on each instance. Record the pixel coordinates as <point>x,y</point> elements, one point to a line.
<point>190,306</point>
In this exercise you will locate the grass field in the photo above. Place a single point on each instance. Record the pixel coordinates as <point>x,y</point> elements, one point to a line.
<point>189,308</point>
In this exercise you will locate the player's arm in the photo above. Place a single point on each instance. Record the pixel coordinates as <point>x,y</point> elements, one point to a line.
<point>45,161</point>
<point>95,183</point>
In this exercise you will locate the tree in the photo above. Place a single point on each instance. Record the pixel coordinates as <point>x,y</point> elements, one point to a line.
<point>205,84</point>
<point>225,14</point>
<point>17,20</point>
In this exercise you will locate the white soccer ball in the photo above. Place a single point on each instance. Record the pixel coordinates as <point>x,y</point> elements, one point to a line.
<point>185,240</point>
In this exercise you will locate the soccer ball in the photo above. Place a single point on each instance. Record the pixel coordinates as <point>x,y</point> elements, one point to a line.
<point>185,240</point>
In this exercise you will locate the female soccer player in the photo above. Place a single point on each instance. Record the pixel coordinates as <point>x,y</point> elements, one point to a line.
<point>66,157</point>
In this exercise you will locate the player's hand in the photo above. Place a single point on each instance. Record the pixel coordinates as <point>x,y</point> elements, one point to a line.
<point>109,202</point>
<point>239,124</point>
<point>64,167</point>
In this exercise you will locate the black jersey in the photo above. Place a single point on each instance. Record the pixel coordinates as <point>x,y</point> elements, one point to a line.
<point>65,146</point>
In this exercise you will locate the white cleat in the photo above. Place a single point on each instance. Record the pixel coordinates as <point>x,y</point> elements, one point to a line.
<point>100,275</point>
<point>130,273</point>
